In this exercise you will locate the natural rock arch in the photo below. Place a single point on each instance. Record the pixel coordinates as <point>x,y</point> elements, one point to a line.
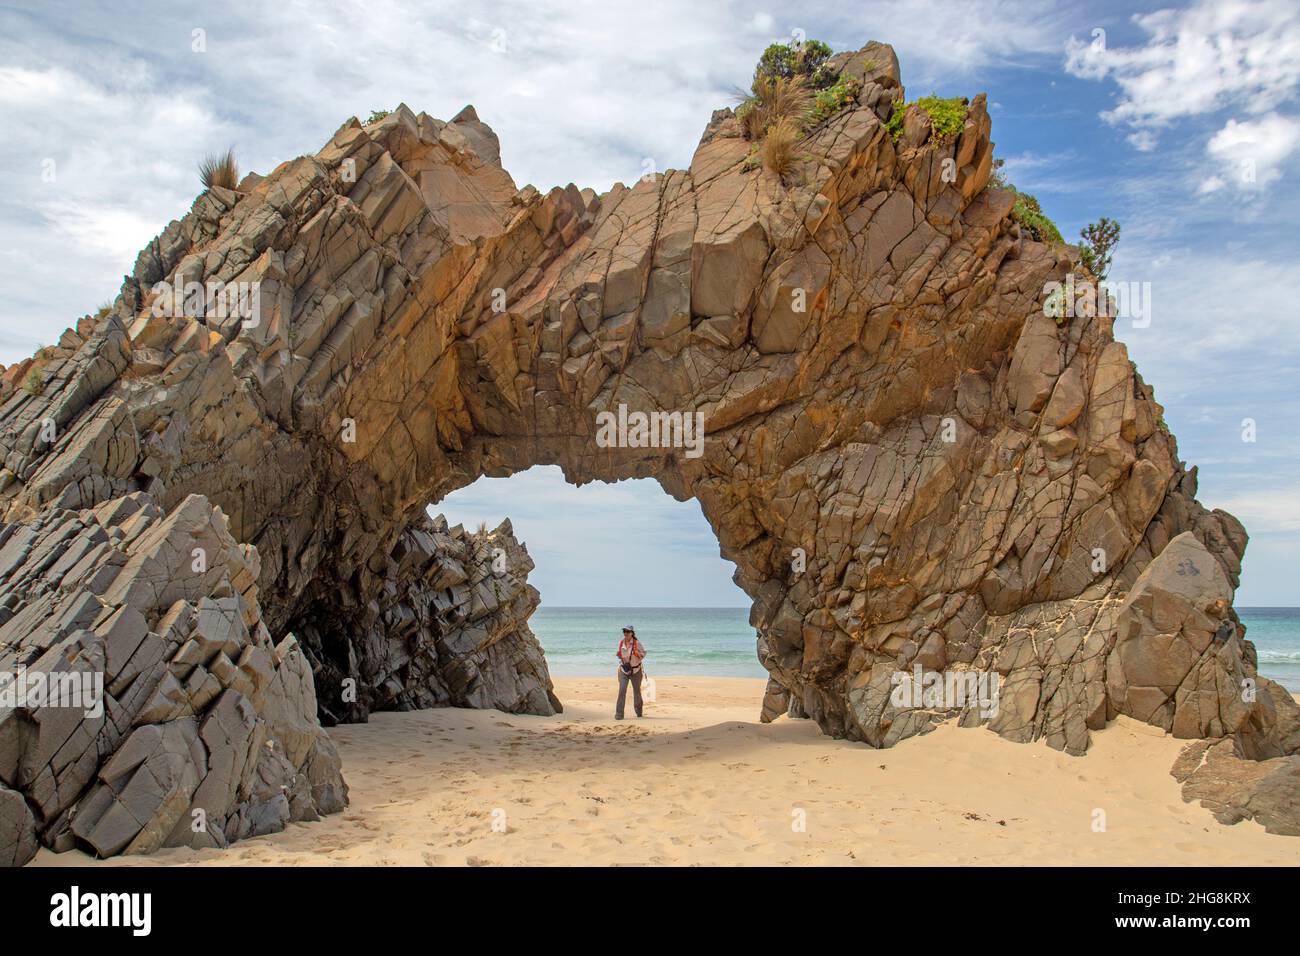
<point>946,461</point>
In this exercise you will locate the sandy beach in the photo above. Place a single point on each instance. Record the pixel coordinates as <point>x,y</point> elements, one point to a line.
<point>700,781</point>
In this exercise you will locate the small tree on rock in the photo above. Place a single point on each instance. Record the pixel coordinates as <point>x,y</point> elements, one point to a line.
<point>792,59</point>
<point>1099,241</point>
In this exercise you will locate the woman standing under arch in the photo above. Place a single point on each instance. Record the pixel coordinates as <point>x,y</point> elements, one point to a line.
<point>630,654</point>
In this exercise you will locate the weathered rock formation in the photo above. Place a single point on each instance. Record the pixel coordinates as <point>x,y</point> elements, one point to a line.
<point>1234,789</point>
<point>447,627</point>
<point>146,703</point>
<point>907,460</point>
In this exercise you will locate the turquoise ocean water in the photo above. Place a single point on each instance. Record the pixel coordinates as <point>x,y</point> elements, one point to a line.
<point>679,641</point>
<point>1275,632</point>
<point>718,641</point>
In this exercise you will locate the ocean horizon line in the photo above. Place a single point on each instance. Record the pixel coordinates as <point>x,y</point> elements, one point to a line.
<point>644,607</point>
<point>742,607</point>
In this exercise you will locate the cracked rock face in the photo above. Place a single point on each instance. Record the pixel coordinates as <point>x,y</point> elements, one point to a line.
<point>180,721</point>
<point>908,462</point>
<point>1234,788</point>
<point>448,627</point>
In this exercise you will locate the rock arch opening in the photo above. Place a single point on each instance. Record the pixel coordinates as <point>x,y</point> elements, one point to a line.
<point>449,622</point>
<point>625,544</point>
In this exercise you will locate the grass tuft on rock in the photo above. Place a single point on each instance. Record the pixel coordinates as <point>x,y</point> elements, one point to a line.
<point>772,99</point>
<point>792,90</point>
<point>778,147</point>
<point>219,170</point>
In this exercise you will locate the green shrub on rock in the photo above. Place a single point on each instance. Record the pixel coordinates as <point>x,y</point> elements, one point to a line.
<point>947,116</point>
<point>795,59</point>
<point>1029,214</point>
<point>832,99</point>
<point>34,380</point>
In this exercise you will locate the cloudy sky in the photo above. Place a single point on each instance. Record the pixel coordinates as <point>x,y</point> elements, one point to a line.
<point>1182,122</point>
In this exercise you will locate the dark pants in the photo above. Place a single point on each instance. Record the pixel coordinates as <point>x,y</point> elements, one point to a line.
<point>622,692</point>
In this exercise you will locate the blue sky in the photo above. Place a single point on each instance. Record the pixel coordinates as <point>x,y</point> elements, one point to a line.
<point>1180,121</point>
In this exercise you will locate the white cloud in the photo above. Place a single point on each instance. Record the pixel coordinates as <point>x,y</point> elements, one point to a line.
<point>1204,306</point>
<point>1206,57</point>
<point>1212,184</point>
<point>1251,153</point>
<point>1143,140</point>
<point>1265,510</point>
<point>1055,172</point>
<point>627,543</point>
<point>1199,62</point>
